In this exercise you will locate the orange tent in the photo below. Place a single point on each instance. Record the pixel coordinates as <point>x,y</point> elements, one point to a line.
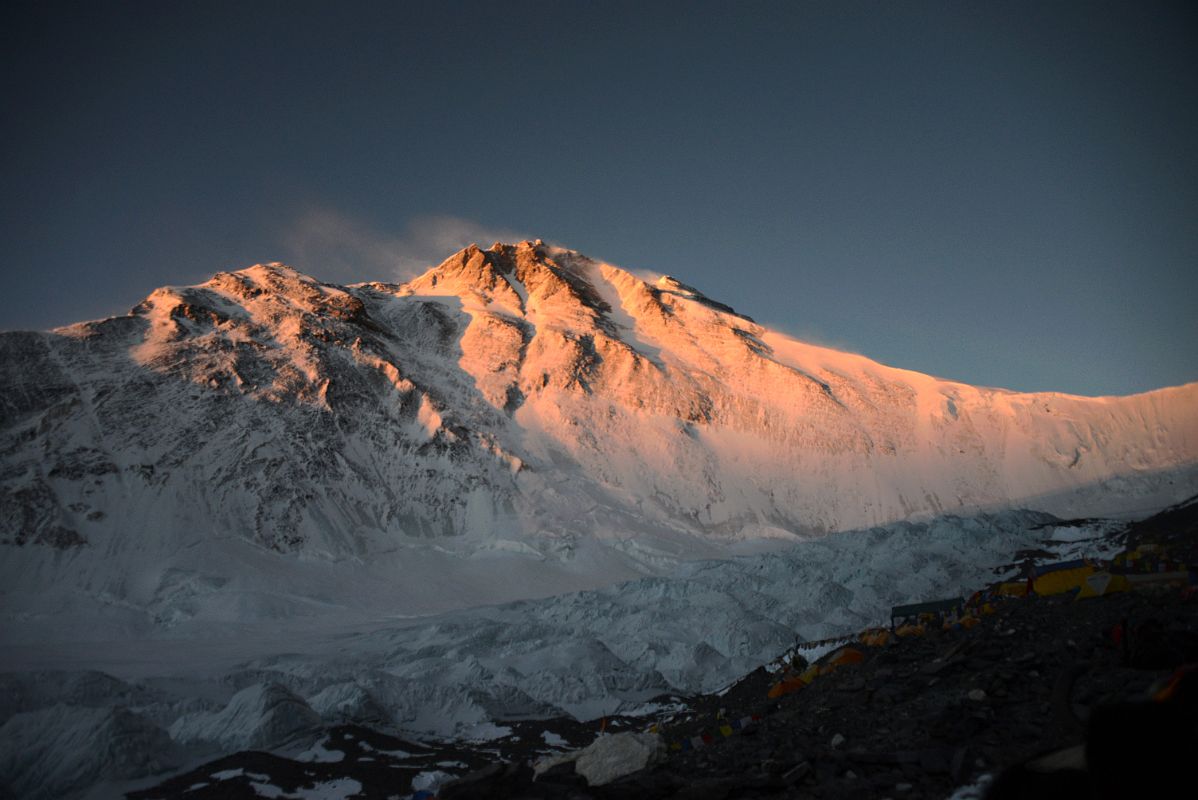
<point>875,637</point>
<point>840,658</point>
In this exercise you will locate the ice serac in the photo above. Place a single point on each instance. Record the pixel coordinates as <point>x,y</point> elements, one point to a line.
<point>233,450</point>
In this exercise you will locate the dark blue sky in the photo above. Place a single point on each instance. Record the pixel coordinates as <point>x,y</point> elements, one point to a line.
<point>1001,193</point>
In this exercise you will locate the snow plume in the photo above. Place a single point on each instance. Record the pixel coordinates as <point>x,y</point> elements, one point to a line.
<point>340,248</point>
<point>807,333</point>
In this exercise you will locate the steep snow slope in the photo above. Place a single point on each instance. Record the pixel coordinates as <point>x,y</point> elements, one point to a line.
<point>521,406</point>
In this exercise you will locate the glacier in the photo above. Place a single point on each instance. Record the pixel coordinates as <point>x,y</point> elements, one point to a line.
<point>169,702</point>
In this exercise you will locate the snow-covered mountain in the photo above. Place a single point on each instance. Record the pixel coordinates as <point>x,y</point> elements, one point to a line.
<point>219,512</point>
<point>518,421</point>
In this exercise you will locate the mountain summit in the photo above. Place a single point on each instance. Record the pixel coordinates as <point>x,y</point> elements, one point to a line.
<point>519,399</point>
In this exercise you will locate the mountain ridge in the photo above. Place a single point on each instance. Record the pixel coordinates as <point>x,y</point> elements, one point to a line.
<point>523,401</point>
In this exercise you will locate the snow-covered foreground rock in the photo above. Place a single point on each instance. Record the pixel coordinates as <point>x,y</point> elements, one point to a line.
<point>268,446</point>
<point>585,654</point>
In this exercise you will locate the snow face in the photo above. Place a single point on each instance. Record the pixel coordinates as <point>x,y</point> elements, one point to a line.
<point>266,446</point>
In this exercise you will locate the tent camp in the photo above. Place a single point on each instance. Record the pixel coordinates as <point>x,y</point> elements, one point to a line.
<point>840,658</point>
<point>874,637</point>
<point>1067,576</point>
<point>793,683</point>
<point>917,612</point>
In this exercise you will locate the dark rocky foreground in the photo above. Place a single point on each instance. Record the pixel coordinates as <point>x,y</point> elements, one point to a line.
<point>918,718</point>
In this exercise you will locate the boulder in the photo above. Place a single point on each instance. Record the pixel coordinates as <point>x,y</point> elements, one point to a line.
<point>610,757</point>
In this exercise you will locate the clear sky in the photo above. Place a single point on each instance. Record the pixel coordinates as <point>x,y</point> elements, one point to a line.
<point>1002,193</point>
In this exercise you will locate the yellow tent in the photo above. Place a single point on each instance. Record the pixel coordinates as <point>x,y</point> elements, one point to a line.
<point>874,637</point>
<point>1063,578</point>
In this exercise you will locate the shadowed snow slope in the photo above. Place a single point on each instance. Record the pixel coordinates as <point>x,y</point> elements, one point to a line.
<point>265,445</point>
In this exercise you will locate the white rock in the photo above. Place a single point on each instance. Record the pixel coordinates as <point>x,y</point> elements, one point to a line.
<point>611,757</point>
